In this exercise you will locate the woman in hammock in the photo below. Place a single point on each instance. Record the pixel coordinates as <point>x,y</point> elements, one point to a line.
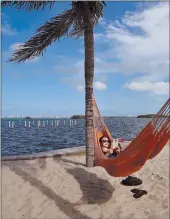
<point>108,149</point>
<point>111,151</point>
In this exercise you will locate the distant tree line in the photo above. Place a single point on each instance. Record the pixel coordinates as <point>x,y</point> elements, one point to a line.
<point>149,116</point>
<point>139,116</point>
<point>78,117</point>
<point>82,117</point>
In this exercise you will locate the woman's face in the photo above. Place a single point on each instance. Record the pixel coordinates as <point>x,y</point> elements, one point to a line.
<point>105,144</point>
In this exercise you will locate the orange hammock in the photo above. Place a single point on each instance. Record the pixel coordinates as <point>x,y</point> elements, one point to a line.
<point>148,143</point>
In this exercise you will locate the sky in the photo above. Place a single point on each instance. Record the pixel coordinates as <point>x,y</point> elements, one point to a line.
<point>131,63</point>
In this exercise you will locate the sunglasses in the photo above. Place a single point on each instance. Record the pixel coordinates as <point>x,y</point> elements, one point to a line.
<point>105,140</point>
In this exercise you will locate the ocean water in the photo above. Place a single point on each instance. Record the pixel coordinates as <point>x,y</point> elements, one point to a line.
<point>24,136</point>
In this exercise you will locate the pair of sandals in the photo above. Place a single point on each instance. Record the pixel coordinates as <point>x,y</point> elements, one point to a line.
<point>134,181</point>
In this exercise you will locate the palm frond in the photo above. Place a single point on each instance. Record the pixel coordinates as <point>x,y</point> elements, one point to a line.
<point>68,23</point>
<point>28,5</point>
<point>104,3</point>
<point>51,31</point>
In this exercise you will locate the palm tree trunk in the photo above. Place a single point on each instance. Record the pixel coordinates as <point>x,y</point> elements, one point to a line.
<point>89,74</point>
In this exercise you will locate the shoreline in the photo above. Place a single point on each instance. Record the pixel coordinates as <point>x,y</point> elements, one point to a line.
<point>47,154</point>
<point>71,151</point>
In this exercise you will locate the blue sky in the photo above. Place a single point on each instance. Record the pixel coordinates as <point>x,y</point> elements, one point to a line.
<point>131,63</point>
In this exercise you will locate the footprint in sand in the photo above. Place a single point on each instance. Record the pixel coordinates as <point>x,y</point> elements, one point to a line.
<point>156,176</point>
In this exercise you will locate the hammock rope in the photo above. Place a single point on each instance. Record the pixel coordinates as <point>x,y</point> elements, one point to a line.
<point>147,144</point>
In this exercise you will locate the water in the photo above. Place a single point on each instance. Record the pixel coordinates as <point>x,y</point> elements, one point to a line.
<point>21,140</point>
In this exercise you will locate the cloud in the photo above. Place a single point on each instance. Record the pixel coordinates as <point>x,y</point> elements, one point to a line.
<point>98,36</point>
<point>98,85</point>
<point>76,71</point>
<point>160,88</point>
<point>80,87</point>
<point>142,41</point>
<point>6,27</point>
<point>8,30</point>
<point>138,44</point>
<point>36,59</point>
<point>102,21</point>
<point>15,46</point>
<point>69,65</point>
<point>80,51</point>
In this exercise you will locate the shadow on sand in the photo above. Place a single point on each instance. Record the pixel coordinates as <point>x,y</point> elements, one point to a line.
<point>64,205</point>
<point>95,190</point>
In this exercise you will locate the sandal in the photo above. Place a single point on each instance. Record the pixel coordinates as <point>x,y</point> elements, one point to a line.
<point>139,193</point>
<point>131,181</point>
<point>134,190</point>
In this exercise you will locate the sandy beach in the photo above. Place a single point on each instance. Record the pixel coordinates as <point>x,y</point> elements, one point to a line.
<point>62,188</point>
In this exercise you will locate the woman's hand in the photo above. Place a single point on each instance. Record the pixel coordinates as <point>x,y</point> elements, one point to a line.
<point>117,150</point>
<point>111,150</point>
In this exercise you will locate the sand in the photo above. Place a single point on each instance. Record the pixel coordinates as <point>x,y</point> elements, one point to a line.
<point>63,188</point>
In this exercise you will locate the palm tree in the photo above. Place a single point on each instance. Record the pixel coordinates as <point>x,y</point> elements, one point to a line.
<point>76,22</point>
